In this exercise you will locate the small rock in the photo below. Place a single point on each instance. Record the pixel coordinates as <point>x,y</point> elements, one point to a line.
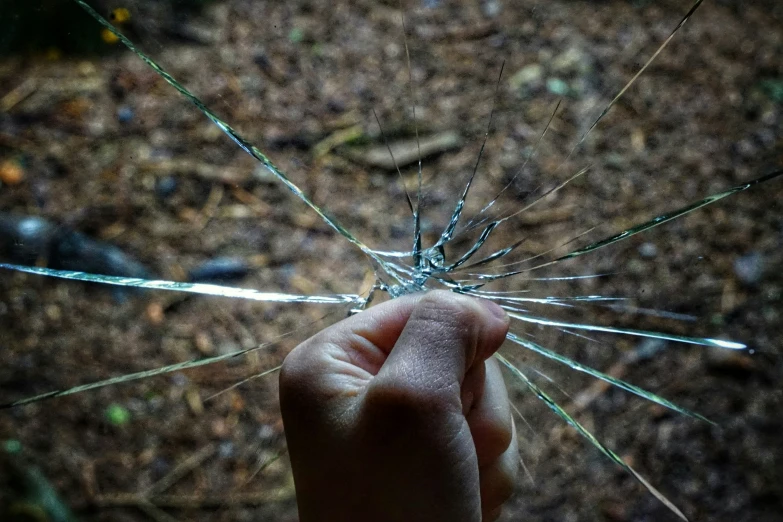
<point>335,105</point>
<point>749,268</point>
<point>204,343</point>
<point>220,269</point>
<point>25,239</point>
<point>262,61</point>
<point>220,428</point>
<point>746,149</point>
<point>74,251</point>
<point>165,187</point>
<point>266,433</point>
<point>226,449</point>
<point>648,250</point>
<point>11,172</point>
<point>558,87</point>
<point>648,348</point>
<point>571,61</point>
<point>154,313</point>
<point>53,312</point>
<point>527,78</point>
<point>124,114</point>
<point>491,8</point>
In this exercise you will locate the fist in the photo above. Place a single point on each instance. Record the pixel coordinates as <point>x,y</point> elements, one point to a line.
<point>399,414</point>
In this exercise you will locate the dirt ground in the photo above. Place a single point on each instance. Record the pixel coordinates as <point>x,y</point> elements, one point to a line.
<point>102,146</point>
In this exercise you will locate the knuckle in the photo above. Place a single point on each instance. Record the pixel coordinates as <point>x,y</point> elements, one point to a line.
<point>401,398</point>
<point>297,369</point>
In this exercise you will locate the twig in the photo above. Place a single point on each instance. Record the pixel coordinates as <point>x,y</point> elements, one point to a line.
<point>263,464</point>
<point>155,513</point>
<point>18,94</point>
<point>210,207</point>
<point>180,470</point>
<point>221,173</point>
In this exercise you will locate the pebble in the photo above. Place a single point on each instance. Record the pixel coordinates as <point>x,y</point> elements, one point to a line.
<point>557,86</point>
<point>179,380</point>
<point>226,449</point>
<point>649,348</point>
<point>25,239</point>
<point>335,106</point>
<point>749,268</point>
<point>527,78</point>
<point>154,313</point>
<point>165,187</point>
<point>11,172</point>
<point>203,343</point>
<point>124,114</point>
<point>266,433</point>
<point>571,61</point>
<point>74,251</point>
<point>220,269</point>
<point>491,8</point>
<point>262,61</point>
<point>220,428</point>
<point>648,250</point>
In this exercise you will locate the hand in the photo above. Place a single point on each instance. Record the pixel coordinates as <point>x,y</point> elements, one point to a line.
<point>396,414</point>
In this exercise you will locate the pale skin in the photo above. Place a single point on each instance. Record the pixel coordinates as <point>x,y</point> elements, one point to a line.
<point>399,413</point>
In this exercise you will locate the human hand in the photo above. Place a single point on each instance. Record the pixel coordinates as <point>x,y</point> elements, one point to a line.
<point>398,414</point>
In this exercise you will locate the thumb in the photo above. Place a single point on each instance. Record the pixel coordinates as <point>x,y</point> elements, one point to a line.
<point>446,336</point>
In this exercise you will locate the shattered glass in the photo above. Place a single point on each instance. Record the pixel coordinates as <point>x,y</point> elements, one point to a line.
<point>474,232</point>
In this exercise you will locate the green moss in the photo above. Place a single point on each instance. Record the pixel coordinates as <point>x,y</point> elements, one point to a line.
<point>774,89</point>
<point>118,415</point>
<point>12,446</point>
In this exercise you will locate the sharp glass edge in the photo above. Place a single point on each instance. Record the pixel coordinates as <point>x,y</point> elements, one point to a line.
<point>195,288</point>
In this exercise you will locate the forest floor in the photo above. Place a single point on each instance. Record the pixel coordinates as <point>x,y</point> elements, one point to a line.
<point>103,146</point>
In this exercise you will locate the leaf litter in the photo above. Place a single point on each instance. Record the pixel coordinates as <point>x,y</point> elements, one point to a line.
<point>464,244</point>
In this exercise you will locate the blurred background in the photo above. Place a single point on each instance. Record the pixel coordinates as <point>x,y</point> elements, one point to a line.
<point>105,168</point>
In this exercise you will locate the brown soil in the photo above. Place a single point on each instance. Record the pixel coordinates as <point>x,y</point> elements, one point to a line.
<point>96,138</point>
